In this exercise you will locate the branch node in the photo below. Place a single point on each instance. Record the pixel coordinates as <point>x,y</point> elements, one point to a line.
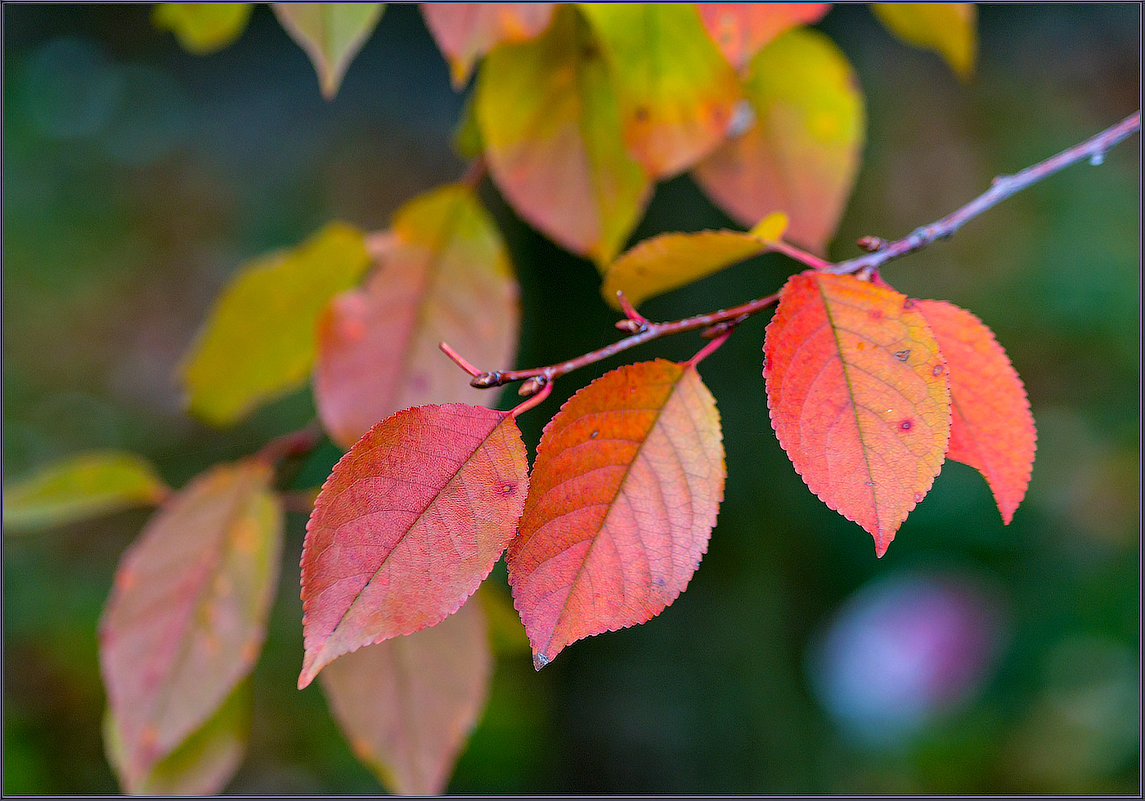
<point>872,243</point>
<point>630,326</point>
<point>532,386</point>
<point>487,380</point>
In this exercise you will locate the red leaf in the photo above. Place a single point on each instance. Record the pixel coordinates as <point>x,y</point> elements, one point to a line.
<point>409,523</point>
<point>407,705</point>
<point>991,428</point>
<point>858,396</point>
<point>743,29</point>
<point>444,274</point>
<point>466,31</point>
<point>187,614</point>
<point>628,478</point>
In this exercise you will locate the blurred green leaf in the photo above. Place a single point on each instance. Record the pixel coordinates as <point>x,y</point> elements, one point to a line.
<point>331,34</point>
<point>948,29</point>
<point>82,486</point>
<point>677,92</point>
<point>549,118</point>
<point>259,341</point>
<point>202,28</point>
<point>203,764</point>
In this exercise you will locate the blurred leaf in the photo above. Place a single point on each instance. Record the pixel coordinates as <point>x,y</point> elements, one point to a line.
<point>466,140</point>
<point>858,397</point>
<point>623,496</point>
<point>445,276</point>
<point>665,262</point>
<point>742,29</point>
<point>549,118</point>
<point>466,31</point>
<point>407,705</point>
<point>407,526</point>
<point>206,760</point>
<point>506,634</point>
<point>949,29</point>
<point>676,91</point>
<point>259,341</point>
<point>802,153</point>
<point>187,614</point>
<point>82,486</point>
<point>202,28</point>
<point>331,34</point>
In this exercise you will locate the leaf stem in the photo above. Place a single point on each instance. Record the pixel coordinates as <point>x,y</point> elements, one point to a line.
<point>1002,187</point>
<point>293,443</point>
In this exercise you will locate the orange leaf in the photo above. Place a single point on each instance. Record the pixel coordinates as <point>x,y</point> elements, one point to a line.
<point>549,118</point>
<point>991,428</point>
<point>444,276</point>
<point>858,396</point>
<point>801,153</point>
<point>628,478</point>
<point>676,93</point>
<point>407,705</point>
<point>187,614</point>
<point>742,29</point>
<point>409,523</point>
<point>466,31</point>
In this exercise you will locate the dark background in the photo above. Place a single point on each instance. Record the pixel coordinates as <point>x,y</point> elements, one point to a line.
<point>137,177</point>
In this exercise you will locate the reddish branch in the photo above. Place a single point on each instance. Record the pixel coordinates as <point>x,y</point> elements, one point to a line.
<point>718,325</point>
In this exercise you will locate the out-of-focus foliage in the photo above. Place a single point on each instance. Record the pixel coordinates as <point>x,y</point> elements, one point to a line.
<point>137,178</point>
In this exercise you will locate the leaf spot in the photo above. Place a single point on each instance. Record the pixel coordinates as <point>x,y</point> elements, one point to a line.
<point>918,496</point>
<point>938,370</point>
<point>594,434</point>
<point>507,489</point>
<point>876,314</point>
<point>906,425</point>
<point>908,303</point>
<point>902,355</point>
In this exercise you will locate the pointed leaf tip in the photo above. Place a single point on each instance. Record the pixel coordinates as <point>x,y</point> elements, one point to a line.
<point>539,661</point>
<point>409,523</point>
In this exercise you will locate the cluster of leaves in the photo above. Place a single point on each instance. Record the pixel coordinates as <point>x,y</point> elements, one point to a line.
<point>576,111</point>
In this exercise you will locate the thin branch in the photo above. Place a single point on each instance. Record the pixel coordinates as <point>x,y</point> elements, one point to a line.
<point>475,172</point>
<point>1003,186</point>
<point>718,325</point>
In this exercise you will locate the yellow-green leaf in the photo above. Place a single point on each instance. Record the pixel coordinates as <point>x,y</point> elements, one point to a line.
<point>949,29</point>
<point>676,90</point>
<point>672,260</point>
<point>202,28</point>
<point>259,341</point>
<point>202,765</point>
<point>82,486</point>
<point>330,33</point>
<point>801,153</point>
<point>549,118</point>
<point>445,277</point>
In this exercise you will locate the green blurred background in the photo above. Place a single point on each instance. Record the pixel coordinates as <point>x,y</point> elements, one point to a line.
<point>137,177</point>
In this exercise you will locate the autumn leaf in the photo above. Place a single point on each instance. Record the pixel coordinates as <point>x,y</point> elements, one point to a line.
<point>991,428</point>
<point>858,395</point>
<point>82,486</point>
<point>549,118</point>
<point>202,28</point>
<point>258,342</point>
<point>742,29</point>
<point>187,613</point>
<point>205,761</point>
<point>949,29</point>
<point>444,276</point>
<point>662,263</point>
<point>801,154</point>
<point>623,496</point>
<point>407,705</point>
<point>676,91</point>
<point>466,31</point>
<point>409,523</point>
<point>331,34</point>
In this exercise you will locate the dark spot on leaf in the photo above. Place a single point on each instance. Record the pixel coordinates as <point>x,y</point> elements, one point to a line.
<point>507,489</point>
<point>908,303</point>
<point>641,113</point>
<point>659,582</point>
<point>906,425</point>
<point>876,314</point>
<point>593,435</point>
<point>869,483</point>
<point>902,355</point>
<point>938,369</point>
<point>589,51</point>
